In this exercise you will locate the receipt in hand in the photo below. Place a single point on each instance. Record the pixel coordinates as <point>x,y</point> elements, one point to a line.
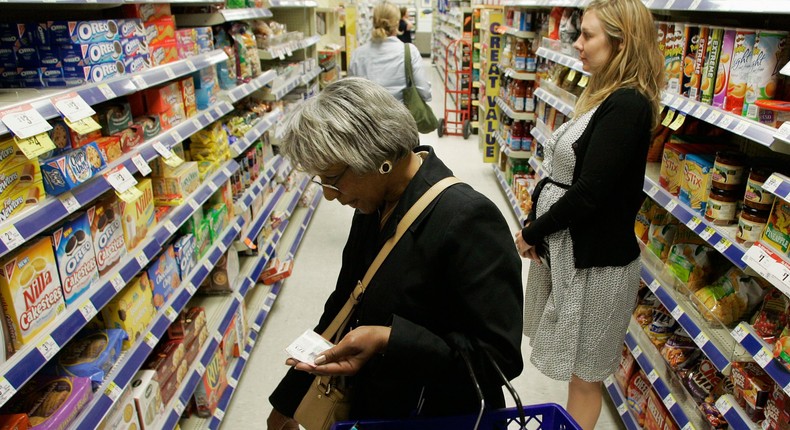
<point>307,347</point>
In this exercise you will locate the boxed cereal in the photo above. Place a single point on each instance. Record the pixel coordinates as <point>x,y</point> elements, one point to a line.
<point>211,387</point>
<point>64,172</point>
<point>122,414</point>
<point>138,216</point>
<point>147,398</point>
<point>107,233</point>
<point>30,291</point>
<point>73,247</point>
<point>163,273</point>
<point>131,310</point>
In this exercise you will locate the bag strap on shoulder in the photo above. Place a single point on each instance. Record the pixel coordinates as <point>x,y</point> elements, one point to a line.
<point>340,321</point>
<point>407,65</point>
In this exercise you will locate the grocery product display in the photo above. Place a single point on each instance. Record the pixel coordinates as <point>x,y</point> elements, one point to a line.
<point>141,213</point>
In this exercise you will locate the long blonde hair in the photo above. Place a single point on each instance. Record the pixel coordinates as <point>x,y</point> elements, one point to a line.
<point>635,60</point>
<point>386,18</point>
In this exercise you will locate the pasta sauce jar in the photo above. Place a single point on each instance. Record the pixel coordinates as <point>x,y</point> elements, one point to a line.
<point>722,206</point>
<point>755,196</point>
<point>751,224</point>
<point>729,170</point>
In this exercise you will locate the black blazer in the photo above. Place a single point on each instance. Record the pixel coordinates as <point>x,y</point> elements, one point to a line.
<point>601,204</point>
<point>454,276</point>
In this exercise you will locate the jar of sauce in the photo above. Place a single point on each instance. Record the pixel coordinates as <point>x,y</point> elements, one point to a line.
<point>722,206</point>
<point>729,170</point>
<point>755,197</point>
<point>751,225</point>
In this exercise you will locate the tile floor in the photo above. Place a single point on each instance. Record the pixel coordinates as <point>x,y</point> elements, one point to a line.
<point>316,267</point>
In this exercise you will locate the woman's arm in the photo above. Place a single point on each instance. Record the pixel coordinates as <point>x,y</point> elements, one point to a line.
<point>422,78</point>
<point>620,133</point>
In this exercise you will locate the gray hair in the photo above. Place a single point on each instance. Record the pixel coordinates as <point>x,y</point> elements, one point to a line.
<point>354,122</point>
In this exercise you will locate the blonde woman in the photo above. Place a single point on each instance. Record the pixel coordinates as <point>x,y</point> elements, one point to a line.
<point>584,276</point>
<point>381,60</point>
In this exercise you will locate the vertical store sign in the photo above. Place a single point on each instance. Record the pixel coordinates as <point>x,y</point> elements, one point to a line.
<point>490,21</point>
<point>351,31</point>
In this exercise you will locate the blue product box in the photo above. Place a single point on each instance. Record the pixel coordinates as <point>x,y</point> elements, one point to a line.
<point>9,77</point>
<point>130,28</point>
<point>134,46</point>
<point>86,54</point>
<point>7,57</point>
<point>67,32</point>
<point>48,56</point>
<point>30,77</point>
<point>136,64</point>
<point>186,255</point>
<point>51,73</point>
<point>64,82</point>
<point>27,57</point>
<point>97,72</point>
<point>73,246</point>
<point>163,273</point>
<point>204,97</point>
<point>17,35</point>
<point>66,171</point>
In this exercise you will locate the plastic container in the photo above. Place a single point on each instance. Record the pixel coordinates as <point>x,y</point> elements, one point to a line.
<point>751,224</point>
<point>722,206</point>
<point>773,112</point>
<point>729,170</point>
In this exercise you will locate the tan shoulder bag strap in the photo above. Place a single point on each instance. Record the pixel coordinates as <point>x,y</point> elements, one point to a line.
<point>340,321</point>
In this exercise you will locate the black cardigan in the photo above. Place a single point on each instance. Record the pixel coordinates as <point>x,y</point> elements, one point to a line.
<point>454,276</point>
<point>601,204</point>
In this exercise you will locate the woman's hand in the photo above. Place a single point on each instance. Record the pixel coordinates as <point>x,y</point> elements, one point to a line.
<point>278,421</point>
<point>525,250</point>
<point>347,357</point>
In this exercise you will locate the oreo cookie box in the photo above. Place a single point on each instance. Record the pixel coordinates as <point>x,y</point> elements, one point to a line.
<point>76,260</point>
<point>107,233</point>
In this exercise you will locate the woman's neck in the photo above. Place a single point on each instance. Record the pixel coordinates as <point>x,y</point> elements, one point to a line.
<point>400,177</point>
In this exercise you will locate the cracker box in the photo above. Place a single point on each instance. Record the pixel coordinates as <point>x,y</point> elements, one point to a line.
<point>64,172</point>
<point>147,398</point>
<point>67,32</point>
<point>138,216</point>
<point>696,182</point>
<point>130,137</point>
<point>114,117</point>
<point>187,325</point>
<point>223,276</point>
<point>110,148</point>
<point>122,414</point>
<point>751,387</point>
<point>188,96</point>
<point>146,12</point>
<point>107,233</point>
<point>73,247</point>
<point>166,360</point>
<point>186,254</point>
<point>163,273</point>
<point>161,30</point>
<point>657,416</point>
<point>52,402</point>
<point>131,310</point>
<point>211,387</point>
<point>30,291</point>
<point>277,271</point>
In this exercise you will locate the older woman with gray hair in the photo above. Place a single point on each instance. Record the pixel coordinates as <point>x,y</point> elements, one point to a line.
<point>450,288</point>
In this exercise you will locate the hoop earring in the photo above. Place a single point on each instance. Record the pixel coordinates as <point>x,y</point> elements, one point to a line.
<point>385,167</point>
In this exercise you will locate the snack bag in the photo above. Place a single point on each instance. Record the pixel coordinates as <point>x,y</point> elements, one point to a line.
<point>92,355</point>
<point>730,297</point>
<point>691,260</point>
<point>680,351</point>
<point>771,319</point>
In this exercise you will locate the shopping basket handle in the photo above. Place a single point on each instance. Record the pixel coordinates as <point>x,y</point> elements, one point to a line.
<point>478,390</point>
<point>516,398</point>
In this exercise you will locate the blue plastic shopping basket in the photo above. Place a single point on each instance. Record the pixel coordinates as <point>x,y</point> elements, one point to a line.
<point>549,416</point>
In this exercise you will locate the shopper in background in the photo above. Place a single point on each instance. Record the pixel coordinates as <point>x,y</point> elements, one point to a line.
<point>452,283</point>
<point>382,59</point>
<point>405,26</point>
<point>579,300</point>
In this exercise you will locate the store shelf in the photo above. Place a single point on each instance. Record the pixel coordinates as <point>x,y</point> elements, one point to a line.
<point>770,264</point>
<point>522,76</point>
<point>721,238</point>
<point>520,34</point>
<point>280,91</point>
<point>292,3</point>
<point>244,90</point>
<point>31,222</point>
<point>520,216</point>
<point>762,353</point>
<point>537,166</point>
<point>95,93</point>
<point>29,360</point>
<point>503,146</point>
<point>526,116</point>
<point>221,16</point>
<point>619,401</point>
<point>719,6</point>
<point>133,359</point>
<point>563,59</point>
<point>286,49</point>
<point>734,414</point>
<point>257,130</point>
<point>554,102</point>
<point>547,3</point>
<point>752,130</point>
<point>682,409</point>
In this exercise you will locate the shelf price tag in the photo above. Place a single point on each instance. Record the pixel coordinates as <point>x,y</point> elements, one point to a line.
<point>141,164</point>
<point>741,128</point>
<point>170,73</point>
<point>693,222</point>
<point>784,131</point>
<point>688,107</point>
<point>583,81</point>
<point>150,340</point>
<point>88,311</point>
<point>120,178</point>
<point>714,115</point>
<point>786,389</point>
<point>669,5</point>
<point>178,407</point>
<point>130,195</point>
<point>191,66</point>
<point>726,121</point>
<point>772,183</point>
<point>6,390</point>
<point>701,110</point>
<point>681,118</point>
<point>34,146</point>
<point>232,382</point>
<point>171,313</point>
<point>219,414</point>
<point>190,288</point>
<point>671,205</point>
<point>654,285</point>
<point>669,401</point>
<point>707,233</point>
<point>72,106</point>
<point>193,204</point>
<point>83,126</point>
<point>256,327</point>
<point>113,391</point>
<point>117,282</point>
<point>677,313</point>
<point>11,238</point>
<point>695,4</point>
<point>200,368</point>
<point>24,121</point>
<point>106,91</point>
<point>652,376</point>
<point>69,202</point>
<point>170,227</point>
<point>782,274</point>
<point>739,333</point>
<point>48,348</point>
<point>174,161</point>
<point>701,339</point>
<point>637,351</point>
<point>763,357</point>
<point>139,82</point>
<point>652,191</point>
<point>622,409</point>
<point>723,245</point>
<point>142,259</point>
<point>162,150</point>
<point>723,405</point>
<point>245,355</point>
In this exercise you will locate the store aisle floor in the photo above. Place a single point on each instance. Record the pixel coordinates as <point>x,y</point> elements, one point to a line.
<point>316,267</point>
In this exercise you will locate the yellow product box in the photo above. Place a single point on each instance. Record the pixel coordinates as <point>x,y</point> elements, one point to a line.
<point>21,197</point>
<point>177,184</point>
<point>30,291</point>
<point>131,310</point>
<point>777,230</point>
<point>138,216</point>
<point>11,155</point>
<point>19,175</point>
<point>122,414</point>
<point>158,166</point>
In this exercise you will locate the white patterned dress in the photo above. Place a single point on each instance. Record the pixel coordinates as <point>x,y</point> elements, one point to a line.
<point>576,319</point>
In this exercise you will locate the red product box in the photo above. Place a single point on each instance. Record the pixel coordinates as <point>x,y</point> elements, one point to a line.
<point>186,50</point>
<point>161,30</point>
<point>188,96</point>
<point>777,410</point>
<point>166,360</point>
<point>164,53</point>
<point>229,339</point>
<point>657,416</point>
<point>130,137</point>
<point>186,36</point>
<point>163,98</point>
<point>281,270</point>
<point>80,140</point>
<point>147,11</point>
<point>187,325</point>
<point>168,388</point>
<point>110,147</point>
<point>211,387</point>
<point>625,369</point>
<point>752,387</point>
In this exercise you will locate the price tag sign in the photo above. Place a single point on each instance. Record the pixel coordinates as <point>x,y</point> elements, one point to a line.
<point>24,121</point>
<point>170,73</point>
<point>669,5</point>
<point>668,119</point>
<point>671,205</point>
<point>117,282</point>
<point>178,407</point>
<point>212,186</point>
<point>571,75</point>
<point>120,178</point>
<point>652,376</point>
<point>701,339</point>
<point>723,245</point>
<point>150,340</point>
<point>669,401</point>
<point>695,4</point>
<point>72,106</point>
<point>688,107</point>
<point>139,82</point>
<point>106,91</point>
<point>196,122</point>
<point>69,202</point>
<point>637,351</point>
<point>782,274</point>
<point>174,161</point>
<point>679,120</point>
<point>713,117</point>
<point>88,311</point>
<point>113,391</point>
<point>677,313</point>
<point>772,183</point>
<point>130,195</point>
<point>83,126</point>
<point>723,405</point>
<point>763,357</point>
<point>11,238</point>
<point>141,164</point>
<point>245,355</point>
<point>652,191</point>
<point>191,66</point>
<point>190,288</point>
<point>622,409</point>
<point>217,337</point>
<point>170,227</point>
<point>739,333</point>
<point>6,390</point>
<point>232,382</point>
<point>142,259</point>
<point>227,172</point>
<point>171,313</point>
<point>162,150</point>
<point>48,348</point>
<point>741,127</point>
<point>193,204</point>
<point>201,369</point>
<point>36,145</point>
<point>219,414</point>
<point>726,121</point>
<point>693,222</point>
<point>583,81</point>
<point>707,233</point>
<point>256,327</point>
<point>654,286</point>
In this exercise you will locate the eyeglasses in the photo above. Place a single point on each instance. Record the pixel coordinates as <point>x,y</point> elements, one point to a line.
<point>335,179</point>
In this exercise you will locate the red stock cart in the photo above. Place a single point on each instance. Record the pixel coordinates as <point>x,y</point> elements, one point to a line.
<point>457,90</point>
